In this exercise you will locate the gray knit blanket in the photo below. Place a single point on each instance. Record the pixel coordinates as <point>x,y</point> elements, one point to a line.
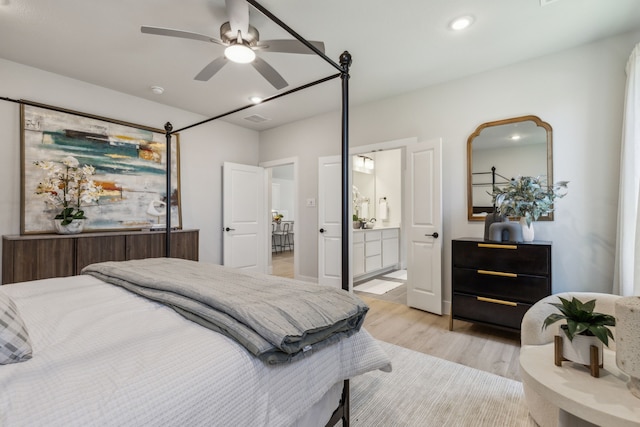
<point>276,319</point>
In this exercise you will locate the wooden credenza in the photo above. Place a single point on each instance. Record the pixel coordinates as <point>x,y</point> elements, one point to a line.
<point>495,283</point>
<point>34,257</point>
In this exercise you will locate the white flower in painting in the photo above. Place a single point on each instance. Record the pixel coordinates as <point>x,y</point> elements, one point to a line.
<point>70,162</point>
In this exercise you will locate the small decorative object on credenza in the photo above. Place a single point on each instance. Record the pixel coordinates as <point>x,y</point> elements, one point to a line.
<point>528,198</point>
<point>67,186</point>
<point>628,343</point>
<point>584,334</point>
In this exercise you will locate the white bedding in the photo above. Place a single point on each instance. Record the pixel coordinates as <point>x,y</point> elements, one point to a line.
<point>103,356</point>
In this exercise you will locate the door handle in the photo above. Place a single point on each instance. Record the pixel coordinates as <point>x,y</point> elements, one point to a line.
<point>434,235</point>
<point>322,230</point>
<point>229,229</point>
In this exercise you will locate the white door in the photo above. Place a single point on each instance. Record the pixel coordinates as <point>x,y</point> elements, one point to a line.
<point>329,220</point>
<point>244,217</point>
<point>423,213</point>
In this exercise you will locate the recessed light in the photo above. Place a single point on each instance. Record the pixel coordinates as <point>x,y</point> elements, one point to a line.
<point>158,90</point>
<point>515,137</point>
<point>461,23</point>
<point>255,99</point>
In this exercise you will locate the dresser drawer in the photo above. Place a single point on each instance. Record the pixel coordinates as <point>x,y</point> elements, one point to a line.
<point>479,309</point>
<point>509,258</point>
<point>524,288</point>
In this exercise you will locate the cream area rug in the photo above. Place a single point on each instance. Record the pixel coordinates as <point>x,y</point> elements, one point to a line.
<point>423,391</point>
<point>377,286</point>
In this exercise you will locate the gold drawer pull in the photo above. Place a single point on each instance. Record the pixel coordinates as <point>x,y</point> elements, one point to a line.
<point>493,246</point>
<point>497,273</point>
<point>497,301</point>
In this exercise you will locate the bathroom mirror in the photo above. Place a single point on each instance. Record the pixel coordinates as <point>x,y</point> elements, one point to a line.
<point>501,150</point>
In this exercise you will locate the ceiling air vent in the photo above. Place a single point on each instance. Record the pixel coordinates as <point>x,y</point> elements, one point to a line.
<point>256,118</point>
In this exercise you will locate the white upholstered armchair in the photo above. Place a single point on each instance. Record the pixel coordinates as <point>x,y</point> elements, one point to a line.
<point>544,412</point>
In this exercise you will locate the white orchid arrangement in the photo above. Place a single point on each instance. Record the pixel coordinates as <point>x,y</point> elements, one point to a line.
<point>68,185</point>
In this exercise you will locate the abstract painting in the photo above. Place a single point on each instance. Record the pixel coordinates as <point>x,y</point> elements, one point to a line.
<point>129,162</point>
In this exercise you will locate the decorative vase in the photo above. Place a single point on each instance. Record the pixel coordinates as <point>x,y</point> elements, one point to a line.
<point>527,230</point>
<point>627,311</point>
<point>579,349</point>
<point>74,227</point>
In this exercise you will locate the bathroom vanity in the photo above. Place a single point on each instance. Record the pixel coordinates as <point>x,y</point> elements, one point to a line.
<point>375,251</point>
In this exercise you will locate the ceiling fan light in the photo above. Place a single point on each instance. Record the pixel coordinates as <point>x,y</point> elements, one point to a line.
<point>461,23</point>
<point>240,53</point>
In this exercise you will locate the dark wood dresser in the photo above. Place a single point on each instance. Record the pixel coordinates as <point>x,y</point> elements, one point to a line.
<point>495,283</point>
<point>43,256</point>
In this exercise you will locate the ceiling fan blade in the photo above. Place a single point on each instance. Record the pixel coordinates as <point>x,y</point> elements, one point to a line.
<point>238,13</point>
<point>269,73</point>
<point>179,33</point>
<point>289,46</point>
<point>211,68</point>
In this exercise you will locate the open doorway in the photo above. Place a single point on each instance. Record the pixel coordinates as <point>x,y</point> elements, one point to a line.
<point>282,206</point>
<point>379,268</point>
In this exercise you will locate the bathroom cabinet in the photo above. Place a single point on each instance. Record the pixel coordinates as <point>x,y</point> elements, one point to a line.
<point>375,251</point>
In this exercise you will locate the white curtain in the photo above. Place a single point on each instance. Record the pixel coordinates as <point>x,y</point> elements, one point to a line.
<point>627,262</point>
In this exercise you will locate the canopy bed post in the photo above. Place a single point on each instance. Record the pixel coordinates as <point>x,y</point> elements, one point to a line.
<point>345,62</point>
<point>168,127</point>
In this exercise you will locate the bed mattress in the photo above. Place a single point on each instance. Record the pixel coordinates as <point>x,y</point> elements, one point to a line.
<point>104,356</point>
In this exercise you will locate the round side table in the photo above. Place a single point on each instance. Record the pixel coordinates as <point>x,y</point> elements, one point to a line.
<point>582,399</point>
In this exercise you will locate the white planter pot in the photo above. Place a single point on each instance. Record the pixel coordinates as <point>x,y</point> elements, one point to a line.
<point>527,230</point>
<point>74,227</point>
<point>579,350</point>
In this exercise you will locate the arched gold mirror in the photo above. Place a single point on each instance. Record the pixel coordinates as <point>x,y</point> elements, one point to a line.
<point>501,150</point>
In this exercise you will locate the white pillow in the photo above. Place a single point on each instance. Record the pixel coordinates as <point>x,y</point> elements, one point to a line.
<point>15,345</point>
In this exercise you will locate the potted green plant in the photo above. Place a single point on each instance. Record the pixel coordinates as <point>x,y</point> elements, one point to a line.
<point>528,198</point>
<point>583,329</point>
<point>356,222</point>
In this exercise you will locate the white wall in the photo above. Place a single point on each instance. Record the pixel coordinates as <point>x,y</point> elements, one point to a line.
<point>389,184</point>
<point>202,149</point>
<point>285,199</point>
<point>579,92</point>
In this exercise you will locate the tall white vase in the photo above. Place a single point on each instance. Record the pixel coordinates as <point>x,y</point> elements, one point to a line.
<point>627,311</point>
<point>527,230</point>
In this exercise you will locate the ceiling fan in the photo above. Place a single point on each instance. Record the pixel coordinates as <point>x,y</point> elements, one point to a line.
<point>241,42</point>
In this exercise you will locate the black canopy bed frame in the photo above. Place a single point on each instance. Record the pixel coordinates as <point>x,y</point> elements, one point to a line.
<point>342,412</point>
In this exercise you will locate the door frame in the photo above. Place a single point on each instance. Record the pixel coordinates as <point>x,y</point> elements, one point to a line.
<point>385,146</point>
<point>267,208</point>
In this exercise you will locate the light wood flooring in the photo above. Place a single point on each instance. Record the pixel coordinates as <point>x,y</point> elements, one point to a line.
<point>282,264</point>
<point>480,347</point>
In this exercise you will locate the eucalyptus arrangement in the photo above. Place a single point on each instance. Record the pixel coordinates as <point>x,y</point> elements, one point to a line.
<point>528,197</point>
<point>581,319</point>
<point>68,186</point>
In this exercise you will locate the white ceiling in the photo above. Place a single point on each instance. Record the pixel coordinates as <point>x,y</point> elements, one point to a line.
<point>397,46</point>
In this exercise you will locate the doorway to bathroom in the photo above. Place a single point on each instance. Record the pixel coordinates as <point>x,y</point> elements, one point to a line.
<point>379,265</point>
<point>407,198</point>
